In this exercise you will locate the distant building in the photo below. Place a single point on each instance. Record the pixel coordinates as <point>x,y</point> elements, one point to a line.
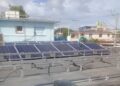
<point>100,34</point>
<point>27,30</point>
<point>12,14</point>
<point>84,28</point>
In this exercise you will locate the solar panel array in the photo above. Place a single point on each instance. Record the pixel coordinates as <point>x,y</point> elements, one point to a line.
<point>38,50</point>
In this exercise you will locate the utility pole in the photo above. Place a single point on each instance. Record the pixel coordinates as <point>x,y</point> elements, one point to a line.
<point>116,28</point>
<point>68,31</point>
<point>116,16</point>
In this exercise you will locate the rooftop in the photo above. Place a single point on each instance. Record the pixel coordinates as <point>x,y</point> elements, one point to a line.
<point>29,20</point>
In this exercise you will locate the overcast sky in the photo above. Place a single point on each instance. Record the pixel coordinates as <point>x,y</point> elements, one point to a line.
<point>71,13</point>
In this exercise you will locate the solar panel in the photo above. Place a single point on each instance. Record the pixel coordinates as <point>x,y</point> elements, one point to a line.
<point>21,43</point>
<point>26,48</point>
<point>63,47</point>
<point>82,49</point>
<point>7,49</point>
<point>33,42</point>
<point>9,43</point>
<point>49,49</point>
<point>57,42</point>
<point>102,52</point>
<point>12,57</point>
<point>79,46</point>
<point>46,48</point>
<point>48,42</point>
<point>36,56</point>
<point>94,46</point>
<point>98,50</point>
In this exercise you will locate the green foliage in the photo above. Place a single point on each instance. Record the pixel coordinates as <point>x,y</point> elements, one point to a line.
<point>23,14</point>
<point>82,39</point>
<point>64,31</point>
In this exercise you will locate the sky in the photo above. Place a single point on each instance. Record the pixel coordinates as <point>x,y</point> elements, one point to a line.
<point>69,13</point>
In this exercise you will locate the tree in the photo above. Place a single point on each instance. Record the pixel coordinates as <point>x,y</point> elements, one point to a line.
<point>22,12</point>
<point>64,31</point>
<point>82,39</point>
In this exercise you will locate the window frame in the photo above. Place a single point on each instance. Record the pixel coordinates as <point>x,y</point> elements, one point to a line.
<point>39,31</point>
<point>22,31</point>
<point>90,35</point>
<point>100,35</point>
<point>108,35</point>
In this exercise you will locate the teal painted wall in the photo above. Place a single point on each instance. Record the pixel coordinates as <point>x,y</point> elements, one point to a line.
<point>33,31</point>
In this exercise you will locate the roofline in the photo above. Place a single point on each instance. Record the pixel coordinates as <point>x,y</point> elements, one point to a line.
<point>29,20</point>
<point>92,33</point>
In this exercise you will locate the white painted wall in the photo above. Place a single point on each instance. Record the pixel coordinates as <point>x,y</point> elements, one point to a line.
<point>95,36</point>
<point>12,14</point>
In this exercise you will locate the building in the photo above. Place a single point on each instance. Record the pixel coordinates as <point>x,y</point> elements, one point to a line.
<point>12,14</point>
<point>14,30</point>
<point>99,34</point>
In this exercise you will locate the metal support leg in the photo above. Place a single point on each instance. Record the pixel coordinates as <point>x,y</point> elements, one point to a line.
<point>118,65</point>
<point>101,53</point>
<point>81,67</point>
<point>89,80</point>
<point>68,69</point>
<point>107,77</point>
<point>21,73</point>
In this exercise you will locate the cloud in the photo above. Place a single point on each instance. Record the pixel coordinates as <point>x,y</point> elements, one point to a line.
<point>3,5</point>
<point>68,12</point>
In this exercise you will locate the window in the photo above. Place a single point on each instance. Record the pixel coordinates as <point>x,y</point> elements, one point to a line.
<point>90,35</point>
<point>113,36</point>
<point>100,35</point>
<point>82,34</point>
<point>19,30</point>
<point>73,35</point>
<point>39,31</point>
<point>108,35</point>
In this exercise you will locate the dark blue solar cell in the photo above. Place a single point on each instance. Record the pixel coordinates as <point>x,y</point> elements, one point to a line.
<point>50,49</point>
<point>86,52</point>
<point>63,47</point>
<point>102,52</point>
<point>79,46</point>
<point>36,55</point>
<point>83,47</point>
<point>7,49</point>
<point>46,48</point>
<point>69,41</point>
<point>21,43</point>
<point>9,43</point>
<point>57,42</point>
<point>26,48</point>
<point>23,56</point>
<point>68,53</point>
<point>33,42</point>
<point>12,57</point>
<point>45,42</point>
<point>94,46</point>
